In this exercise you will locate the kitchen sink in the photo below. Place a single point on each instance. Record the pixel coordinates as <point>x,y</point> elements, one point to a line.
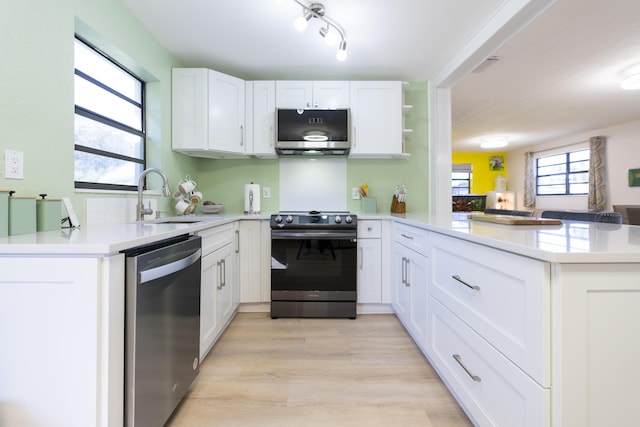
<point>174,221</point>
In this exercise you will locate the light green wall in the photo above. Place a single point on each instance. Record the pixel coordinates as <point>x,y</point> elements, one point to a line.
<point>36,112</point>
<point>36,89</point>
<point>223,180</point>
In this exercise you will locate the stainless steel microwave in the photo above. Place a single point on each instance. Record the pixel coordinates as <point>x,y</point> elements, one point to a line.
<point>313,131</point>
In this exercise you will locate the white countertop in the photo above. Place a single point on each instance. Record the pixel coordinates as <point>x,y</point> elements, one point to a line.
<point>106,239</point>
<point>571,242</point>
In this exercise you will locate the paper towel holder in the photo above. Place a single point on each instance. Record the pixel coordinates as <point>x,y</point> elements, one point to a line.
<point>252,205</point>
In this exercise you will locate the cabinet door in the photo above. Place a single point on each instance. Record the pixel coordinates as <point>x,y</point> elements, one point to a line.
<point>331,94</point>
<point>376,118</point>
<point>264,119</point>
<point>250,265</point>
<point>225,290</point>
<point>209,325</point>
<point>226,113</point>
<point>400,292</point>
<point>190,109</point>
<point>417,277</point>
<point>369,271</point>
<point>294,94</point>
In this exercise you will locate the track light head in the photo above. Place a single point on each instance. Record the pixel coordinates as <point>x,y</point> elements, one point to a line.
<point>341,55</point>
<point>331,33</point>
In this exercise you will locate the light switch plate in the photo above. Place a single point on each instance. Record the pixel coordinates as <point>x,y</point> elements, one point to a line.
<point>266,192</point>
<point>13,164</point>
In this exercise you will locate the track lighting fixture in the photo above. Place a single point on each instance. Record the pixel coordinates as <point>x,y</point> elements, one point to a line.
<point>332,33</point>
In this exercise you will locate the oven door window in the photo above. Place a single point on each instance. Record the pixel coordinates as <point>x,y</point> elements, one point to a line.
<point>313,264</point>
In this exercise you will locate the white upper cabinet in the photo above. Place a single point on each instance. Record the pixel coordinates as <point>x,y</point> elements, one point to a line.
<point>312,94</point>
<point>260,118</point>
<point>376,119</point>
<point>208,114</point>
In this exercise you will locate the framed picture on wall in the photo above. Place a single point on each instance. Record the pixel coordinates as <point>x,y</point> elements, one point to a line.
<point>634,177</point>
<point>496,163</point>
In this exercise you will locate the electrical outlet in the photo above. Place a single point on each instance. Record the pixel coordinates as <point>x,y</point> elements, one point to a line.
<point>13,164</point>
<point>355,193</point>
<point>266,192</point>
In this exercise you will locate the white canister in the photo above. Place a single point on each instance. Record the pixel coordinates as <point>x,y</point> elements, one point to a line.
<point>252,198</point>
<point>500,183</point>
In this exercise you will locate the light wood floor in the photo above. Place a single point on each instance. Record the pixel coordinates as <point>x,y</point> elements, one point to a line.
<point>317,372</point>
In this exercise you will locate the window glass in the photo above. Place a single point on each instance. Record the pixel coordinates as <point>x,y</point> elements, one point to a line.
<point>563,174</point>
<point>109,135</point>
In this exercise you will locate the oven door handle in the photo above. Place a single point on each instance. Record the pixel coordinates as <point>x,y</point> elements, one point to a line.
<point>289,235</point>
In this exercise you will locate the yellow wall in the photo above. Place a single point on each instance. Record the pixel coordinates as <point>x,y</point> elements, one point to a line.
<point>482,177</point>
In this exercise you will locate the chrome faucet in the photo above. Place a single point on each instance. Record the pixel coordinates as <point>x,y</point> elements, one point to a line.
<point>141,211</point>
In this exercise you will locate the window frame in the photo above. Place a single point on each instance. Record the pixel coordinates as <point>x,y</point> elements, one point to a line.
<point>462,168</point>
<point>99,118</point>
<point>567,174</point>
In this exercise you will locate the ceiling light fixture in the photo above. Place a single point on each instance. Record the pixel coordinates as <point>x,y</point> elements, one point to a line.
<point>494,142</point>
<point>316,10</point>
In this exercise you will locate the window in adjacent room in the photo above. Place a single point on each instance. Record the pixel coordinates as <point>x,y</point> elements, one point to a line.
<point>109,122</point>
<point>563,174</point>
<point>460,179</point>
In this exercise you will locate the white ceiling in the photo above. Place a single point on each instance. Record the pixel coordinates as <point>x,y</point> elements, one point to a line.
<point>256,39</point>
<point>558,77</point>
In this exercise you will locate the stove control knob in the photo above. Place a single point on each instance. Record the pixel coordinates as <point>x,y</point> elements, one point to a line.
<point>289,219</point>
<point>278,219</point>
<point>338,219</point>
<point>348,219</point>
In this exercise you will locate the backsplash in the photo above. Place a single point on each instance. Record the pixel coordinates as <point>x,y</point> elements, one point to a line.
<point>116,210</point>
<point>313,184</point>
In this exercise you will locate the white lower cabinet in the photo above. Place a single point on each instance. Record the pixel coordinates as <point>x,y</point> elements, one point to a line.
<point>369,261</point>
<point>502,296</point>
<point>255,261</point>
<point>218,296</point>
<point>410,277</point>
<point>493,390</point>
<point>62,341</point>
<point>489,331</point>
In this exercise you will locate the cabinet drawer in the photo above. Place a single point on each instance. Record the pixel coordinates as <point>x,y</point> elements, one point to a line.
<point>216,237</point>
<point>502,296</point>
<point>411,237</point>
<point>369,229</point>
<point>492,389</point>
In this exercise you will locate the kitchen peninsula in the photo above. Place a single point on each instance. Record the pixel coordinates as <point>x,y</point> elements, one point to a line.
<point>527,325</point>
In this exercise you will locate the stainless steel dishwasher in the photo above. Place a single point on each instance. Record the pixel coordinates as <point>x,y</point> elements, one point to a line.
<point>162,335</point>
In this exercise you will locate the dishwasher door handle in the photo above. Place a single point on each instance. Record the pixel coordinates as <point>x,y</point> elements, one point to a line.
<point>167,269</point>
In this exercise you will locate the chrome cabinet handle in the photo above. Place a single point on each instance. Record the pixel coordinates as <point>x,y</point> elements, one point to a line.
<point>456,277</point>
<point>355,140</point>
<point>407,282</point>
<point>220,279</point>
<point>459,360</point>
<point>224,272</point>
<point>407,237</point>
<point>241,136</point>
<point>237,241</point>
<point>404,271</point>
<point>271,136</point>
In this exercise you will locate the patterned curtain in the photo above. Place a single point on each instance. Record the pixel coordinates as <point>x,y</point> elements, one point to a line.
<point>529,180</point>
<point>597,173</point>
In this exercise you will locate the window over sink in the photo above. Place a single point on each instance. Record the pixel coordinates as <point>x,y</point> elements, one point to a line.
<point>109,140</point>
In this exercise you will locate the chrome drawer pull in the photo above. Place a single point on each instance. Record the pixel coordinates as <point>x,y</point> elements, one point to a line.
<point>475,288</point>
<point>459,360</point>
<point>406,237</point>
